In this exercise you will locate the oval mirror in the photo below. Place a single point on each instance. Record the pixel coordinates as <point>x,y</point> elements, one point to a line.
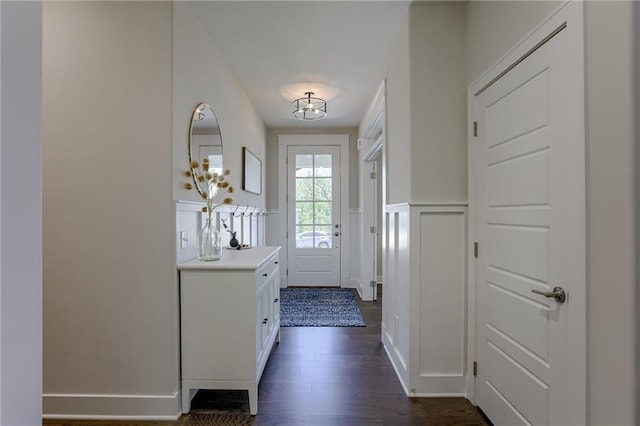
<point>205,141</point>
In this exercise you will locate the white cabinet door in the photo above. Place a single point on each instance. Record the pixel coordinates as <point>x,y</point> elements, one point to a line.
<point>264,301</point>
<point>275,288</point>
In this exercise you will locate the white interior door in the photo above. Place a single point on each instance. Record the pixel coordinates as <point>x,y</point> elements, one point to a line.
<point>526,180</point>
<point>313,215</point>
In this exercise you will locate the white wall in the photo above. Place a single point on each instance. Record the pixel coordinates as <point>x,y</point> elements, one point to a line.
<point>110,299</point>
<point>398,113</point>
<point>272,159</point>
<point>200,74</point>
<point>637,195</point>
<point>21,214</point>
<point>611,214</point>
<point>438,103</point>
<point>611,190</point>
<point>494,27</point>
<point>426,107</point>
<point>125,76</point>
<point>40,171</point>
<point>426,168</point>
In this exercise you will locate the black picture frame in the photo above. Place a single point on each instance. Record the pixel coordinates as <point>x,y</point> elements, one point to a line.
<point>251,172</point>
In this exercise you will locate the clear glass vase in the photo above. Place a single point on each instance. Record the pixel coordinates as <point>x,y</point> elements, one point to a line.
<point>209,242</point>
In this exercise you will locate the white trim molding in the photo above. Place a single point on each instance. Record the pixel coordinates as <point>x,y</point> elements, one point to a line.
<point>373,123</point>
<point>112,407</point>
<point>371,146</point>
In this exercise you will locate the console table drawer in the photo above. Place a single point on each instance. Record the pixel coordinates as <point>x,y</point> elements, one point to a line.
<point>262,274</point>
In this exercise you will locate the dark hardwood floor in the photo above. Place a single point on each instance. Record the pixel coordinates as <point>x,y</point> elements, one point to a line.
<point>323,376</point>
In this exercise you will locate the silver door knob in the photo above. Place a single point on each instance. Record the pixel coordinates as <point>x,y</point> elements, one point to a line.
<point>558,294</point>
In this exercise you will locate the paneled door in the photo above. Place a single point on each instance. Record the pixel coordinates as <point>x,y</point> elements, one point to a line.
<point>529,177</point>
<point>313,214</point>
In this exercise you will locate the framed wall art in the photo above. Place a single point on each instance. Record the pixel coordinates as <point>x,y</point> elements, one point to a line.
<point>251,172</point>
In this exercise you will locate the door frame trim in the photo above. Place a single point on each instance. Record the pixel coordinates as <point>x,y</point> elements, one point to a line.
<point>342,141</point>
<point>371,145</point>
<point>571,12</point>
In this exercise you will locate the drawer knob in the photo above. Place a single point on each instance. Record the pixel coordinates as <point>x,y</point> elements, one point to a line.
<point>276,262</point>
<point>264,275</point>
<point>266,320</point>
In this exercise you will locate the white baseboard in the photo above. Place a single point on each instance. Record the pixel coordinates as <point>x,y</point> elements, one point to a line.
<point>366,296</point>
<point>440,385</point>
<point>438,395</point>
<point>113,407</point>
<point>396,362</point>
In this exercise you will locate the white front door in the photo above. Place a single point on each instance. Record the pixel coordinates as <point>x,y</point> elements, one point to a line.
<point>529,190</point>
<point>313,215</point>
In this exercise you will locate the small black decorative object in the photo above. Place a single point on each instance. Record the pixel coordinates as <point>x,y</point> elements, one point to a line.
<point>233,242</point>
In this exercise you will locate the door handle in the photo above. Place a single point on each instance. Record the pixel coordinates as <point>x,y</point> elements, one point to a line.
<point>558,294</point>
<point>337,234</point>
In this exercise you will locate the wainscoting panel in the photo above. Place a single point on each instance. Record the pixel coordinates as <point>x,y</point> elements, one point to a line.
<point>395,296</point>
<point>424,296</point>
<point>248,222</point>
<point>187,224</point>
<point>440,289</point>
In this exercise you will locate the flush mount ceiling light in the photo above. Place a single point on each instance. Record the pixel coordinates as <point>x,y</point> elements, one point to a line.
<point>309,108</point>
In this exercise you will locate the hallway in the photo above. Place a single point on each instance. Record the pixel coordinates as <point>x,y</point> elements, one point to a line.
<point>324,376</point>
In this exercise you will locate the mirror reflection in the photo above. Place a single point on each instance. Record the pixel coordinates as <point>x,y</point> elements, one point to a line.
<point>205,141</point>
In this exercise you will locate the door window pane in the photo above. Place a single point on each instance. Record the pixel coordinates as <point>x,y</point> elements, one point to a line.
<point>322,212</point>
<point>326,240</point>
<point>304,165</point>
<point>304,189</point>
<point>304,213</point>
<point>322,165</point>
<point>304,236</point>
<point>322,189</point>
<point>313,201</point>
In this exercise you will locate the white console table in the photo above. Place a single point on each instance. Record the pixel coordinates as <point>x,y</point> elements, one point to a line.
<point>230,320</point>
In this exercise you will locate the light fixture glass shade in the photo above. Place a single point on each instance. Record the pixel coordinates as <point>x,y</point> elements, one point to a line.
<point>309,108</point>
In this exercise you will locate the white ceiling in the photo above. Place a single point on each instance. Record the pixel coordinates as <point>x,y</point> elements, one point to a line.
<point>280,49</point>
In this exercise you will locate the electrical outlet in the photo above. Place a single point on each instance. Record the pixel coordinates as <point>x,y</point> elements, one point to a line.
<point>184,239</point>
